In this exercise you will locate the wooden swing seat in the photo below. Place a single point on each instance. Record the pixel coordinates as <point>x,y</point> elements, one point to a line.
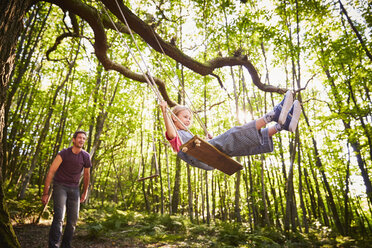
<point>210,155</point>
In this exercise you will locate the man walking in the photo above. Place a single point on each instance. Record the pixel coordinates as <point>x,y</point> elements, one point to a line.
<point>65,172</point>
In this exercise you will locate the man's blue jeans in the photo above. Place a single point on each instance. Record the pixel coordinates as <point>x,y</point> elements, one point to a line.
<point>66,200</point>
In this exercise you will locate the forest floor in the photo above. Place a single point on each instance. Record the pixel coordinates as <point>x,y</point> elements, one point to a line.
<point>36,236</point>
<point>123,229</point>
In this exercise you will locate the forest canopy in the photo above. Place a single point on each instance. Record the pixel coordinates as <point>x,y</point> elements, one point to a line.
<point>97,65</point>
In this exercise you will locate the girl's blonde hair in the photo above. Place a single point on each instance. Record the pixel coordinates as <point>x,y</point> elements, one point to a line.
<point>178,108</point>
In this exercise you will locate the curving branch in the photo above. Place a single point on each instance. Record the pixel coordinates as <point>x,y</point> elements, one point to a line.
<point>98,22</point>
<point>57,42</point>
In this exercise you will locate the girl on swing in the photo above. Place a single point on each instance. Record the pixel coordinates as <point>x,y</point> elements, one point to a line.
<point>249,139</point>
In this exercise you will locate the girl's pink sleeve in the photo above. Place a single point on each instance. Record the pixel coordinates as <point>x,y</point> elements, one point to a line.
<point>175,142</point>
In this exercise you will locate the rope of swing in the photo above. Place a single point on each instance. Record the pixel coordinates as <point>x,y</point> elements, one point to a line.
<point>149,79</point>
<point>201,123</point>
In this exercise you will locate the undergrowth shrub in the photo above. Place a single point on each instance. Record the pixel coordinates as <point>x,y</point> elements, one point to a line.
<point>231,234</point>
<point>28,209</point>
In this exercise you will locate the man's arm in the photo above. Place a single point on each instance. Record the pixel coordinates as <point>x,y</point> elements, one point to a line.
<point>86,181</point>
<point>48,180</point>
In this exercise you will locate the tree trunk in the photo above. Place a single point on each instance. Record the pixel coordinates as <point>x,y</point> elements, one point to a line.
<point>276,199</point>
<point>168,180</point>
<point>196,197</point>
<point>201,180</point>
<point>176,187</point>
<point>94,104</point>
<point>190,194</point>
<point>248,196</point>
<point>207,197</point>
<point>213,183</point>
<point>162,198</point>
<point>346,194</point>
<point>263,193</point>
<point>143,162</point>
<point>252,198</point>
<point>11,26</point>
<point>311,194</point>
<point>322,211</point>
<point>300,191</point>
<point>290,217</point>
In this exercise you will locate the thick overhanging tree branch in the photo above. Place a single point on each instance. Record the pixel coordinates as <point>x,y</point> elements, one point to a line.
<point>99,22</point>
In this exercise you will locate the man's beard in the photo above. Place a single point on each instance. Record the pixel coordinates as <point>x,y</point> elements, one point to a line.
<point>78,145</point>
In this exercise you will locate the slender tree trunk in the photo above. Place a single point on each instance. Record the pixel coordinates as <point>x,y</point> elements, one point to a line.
<point>177,180</point>
<point>248,196</point>
<point>100,122</point>
<point>289,220</point>
<point>252,198</point>
<point>207,197</point>
<point>176,187</point>
<point>118,178</point>
<point>213,183</point>
<point>222,199</point>
<point>143,163</point>
<point>300,191</point>
<point>346,194</point>
<point>355,30</point>
<point>162,198</point>
<point>263,193</point>
<point>201,180</point>
<point>168,180</point>
<point>190,194</point>
<point>276,200</point>
<point>281,197</point>
<point>322,210</point>
<point>311,193</point>
<point>94,106</point>
<point>196,197</point>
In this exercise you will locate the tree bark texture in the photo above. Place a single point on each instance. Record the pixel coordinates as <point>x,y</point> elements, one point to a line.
<point>10,28</point>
